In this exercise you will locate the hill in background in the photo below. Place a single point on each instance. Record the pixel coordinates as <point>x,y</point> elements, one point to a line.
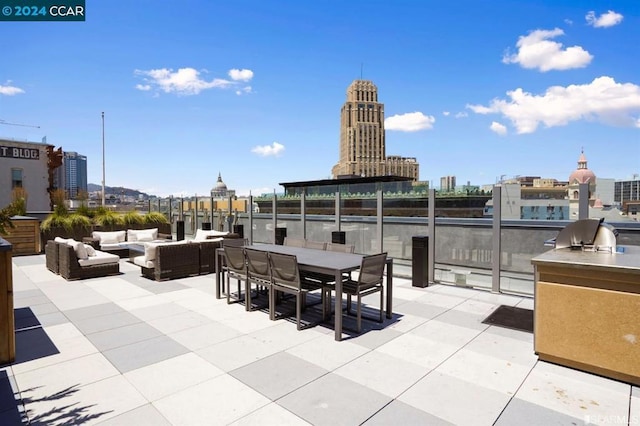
<point>117,190</point>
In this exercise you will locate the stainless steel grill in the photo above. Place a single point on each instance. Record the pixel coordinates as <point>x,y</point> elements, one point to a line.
<point>587,235</point>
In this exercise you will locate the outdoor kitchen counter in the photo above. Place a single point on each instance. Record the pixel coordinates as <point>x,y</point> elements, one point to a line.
<point>587,311</point>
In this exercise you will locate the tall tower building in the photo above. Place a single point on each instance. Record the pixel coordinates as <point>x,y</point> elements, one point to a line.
<point>362,137</point>
<point>72,176</point>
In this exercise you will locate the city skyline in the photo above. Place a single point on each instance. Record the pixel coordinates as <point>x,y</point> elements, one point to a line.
<point>253,90</point>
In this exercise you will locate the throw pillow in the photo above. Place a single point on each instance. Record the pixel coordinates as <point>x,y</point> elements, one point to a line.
<point>81,251</point>
<point>112,237</point>
<point>201,235</point>
<point>145,236</point>
<point>90,250</point>
<point>109,239</point>
<point>150,251</point>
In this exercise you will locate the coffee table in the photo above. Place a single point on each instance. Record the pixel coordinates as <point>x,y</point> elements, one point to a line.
<point>135,249</point>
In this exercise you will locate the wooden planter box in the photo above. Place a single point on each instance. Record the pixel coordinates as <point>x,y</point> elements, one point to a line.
<point>7,320</point>
<point>24,236</point>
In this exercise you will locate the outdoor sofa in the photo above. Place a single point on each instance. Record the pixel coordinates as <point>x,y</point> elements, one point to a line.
<point>164,260</point>
<point>116,242</point>
<point>75,260</point>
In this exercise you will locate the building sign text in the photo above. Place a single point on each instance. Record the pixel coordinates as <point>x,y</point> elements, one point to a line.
<point>24,153</point>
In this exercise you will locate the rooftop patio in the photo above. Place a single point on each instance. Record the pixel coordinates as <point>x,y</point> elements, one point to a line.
<point>127,350</point>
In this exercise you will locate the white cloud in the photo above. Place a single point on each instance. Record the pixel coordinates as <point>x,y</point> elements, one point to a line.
<point>185,81</point>
<point>536,50</point>
<point>602,100</point>
<point>244,90</point>
<point>498,128</point>
<point>10,90</point>
<point>275,149</point>
<point>461,114</point>
<point>605,20</point>
<point>241,75</point>
<point>446,113</point>
<point>409,122</point>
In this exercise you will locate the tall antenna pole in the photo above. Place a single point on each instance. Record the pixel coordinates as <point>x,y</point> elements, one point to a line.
<point>103,158</point>
<point>361,67</point>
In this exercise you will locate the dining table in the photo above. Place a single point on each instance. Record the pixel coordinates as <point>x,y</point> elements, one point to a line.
<point>320,261</point>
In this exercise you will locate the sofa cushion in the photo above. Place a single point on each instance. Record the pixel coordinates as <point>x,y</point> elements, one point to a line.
<point>62,240</point>
<point>142,234</point>
<point>140,261</point>
<point>150,249</point>
<point>110,237</point>
<point>90,250</point>
<point>79,248</point>
<point>101,258</point>
<point>116,246</point>
<point>202,235</point>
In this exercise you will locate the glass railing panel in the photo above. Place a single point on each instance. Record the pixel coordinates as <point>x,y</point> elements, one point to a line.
<point>463,238</point>
<point>520,242</point>
<point>463,252</point>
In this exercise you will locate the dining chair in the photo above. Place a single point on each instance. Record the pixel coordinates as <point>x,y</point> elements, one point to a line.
<point>316,245</point>
<point>342,248</point>
<point>293,242</point>
<point>327,282</point>
<point>258,273</point>
<point>370,280</point>
<point>235,267</point>
<point>285,277</point>
<point>236,242</point>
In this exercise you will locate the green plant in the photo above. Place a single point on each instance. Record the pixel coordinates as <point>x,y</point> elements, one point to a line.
<point>55,220</point>
<point>58,197</point>
<point>100,210</point>
<point>77,220</point>
<point>107,218</point>
<point>155,217</point>
<point>85,211</point>
<point>5,220</point>
<point>19,201</point>
<point>133,218</point>
<point>16,208</point>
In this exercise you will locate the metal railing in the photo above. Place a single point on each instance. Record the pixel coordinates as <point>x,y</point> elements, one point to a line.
<point>488,253</point>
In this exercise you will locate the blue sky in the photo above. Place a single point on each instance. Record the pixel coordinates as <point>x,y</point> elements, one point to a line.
<point>253,89</point>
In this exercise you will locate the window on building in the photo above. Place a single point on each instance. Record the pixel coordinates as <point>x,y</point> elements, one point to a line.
<point>16,178</point>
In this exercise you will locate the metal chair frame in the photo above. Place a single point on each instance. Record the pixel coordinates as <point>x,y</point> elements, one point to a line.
<point>370,280</point>
<point>258,273</point>
<point>235,266</point>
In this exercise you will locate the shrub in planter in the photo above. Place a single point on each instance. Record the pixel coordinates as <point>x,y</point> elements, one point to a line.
<point>132,219</point>
<point>154,218</point>
<point>73,226</point>
<point>157,220</point>
<point>19,201</point>
<point>77,220</point>
<point>108,220</point>
<point>5,220</point>
<point>55,221</point>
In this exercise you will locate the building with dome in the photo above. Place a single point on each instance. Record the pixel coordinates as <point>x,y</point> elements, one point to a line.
<point>533,198</point>
<point>220,190</point>
<point>601,191</point>
<point>580,176</point>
